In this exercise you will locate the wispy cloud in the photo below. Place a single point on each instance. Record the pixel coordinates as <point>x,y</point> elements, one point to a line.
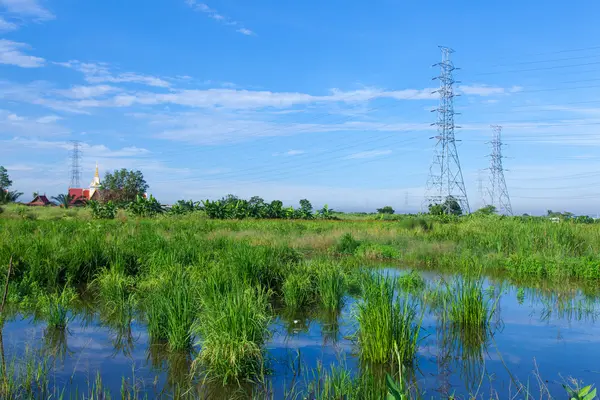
<point>368,154</point>
<point>6,26</point>
<point>289,153</point>
<point>20,125</point>
<point>27,8</point>
<point>100,72</point>
<point>11,53</point>
<point>212,13</point>
<point>253,99</point>
<point>485,90</point>
<point>86,92</point>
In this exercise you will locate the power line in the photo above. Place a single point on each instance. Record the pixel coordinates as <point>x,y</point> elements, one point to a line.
<point>75,164</point>
<point>445,175</point>
<point>498,192</point>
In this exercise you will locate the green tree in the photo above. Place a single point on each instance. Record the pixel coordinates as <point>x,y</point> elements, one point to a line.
<point>450,206</point>
<point>9,197</point>
<point>124,185</point>
<point>487,210</point>
<point>5,182</point>
<point>386,210</point>
<point>306,209</point>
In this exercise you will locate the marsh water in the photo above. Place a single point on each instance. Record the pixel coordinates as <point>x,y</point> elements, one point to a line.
<point>536,335</point>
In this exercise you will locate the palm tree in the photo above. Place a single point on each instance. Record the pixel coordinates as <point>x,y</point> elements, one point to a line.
<point>63,200</point>
<point>9,197</point>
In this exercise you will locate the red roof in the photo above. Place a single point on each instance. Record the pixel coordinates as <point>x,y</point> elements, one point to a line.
<point>79,194</point>
<point>39,201</point>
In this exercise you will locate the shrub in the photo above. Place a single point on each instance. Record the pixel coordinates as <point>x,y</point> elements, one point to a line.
<point>386,210</point>
<point>143,207</point>
<point>106,210</point>
<point>411,282</point>
<point>377,251</point>
<point>347,244</point>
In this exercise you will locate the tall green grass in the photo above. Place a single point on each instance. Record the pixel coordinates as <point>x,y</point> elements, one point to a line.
<point>56,307</point>
<point>299,288</point>
<point>331,284</point>
<point>387,323</point>
<point>232,329</point>
<point>172,308</point>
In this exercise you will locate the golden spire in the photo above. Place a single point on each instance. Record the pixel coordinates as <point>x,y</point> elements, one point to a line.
<point>96,174</point>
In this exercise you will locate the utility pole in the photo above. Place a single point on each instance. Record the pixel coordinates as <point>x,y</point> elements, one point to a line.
<point>445,175</point>
<point>75,164</point>
<point>498,192</point>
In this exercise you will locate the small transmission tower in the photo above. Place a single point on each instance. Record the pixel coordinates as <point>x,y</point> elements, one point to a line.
<point>75,162</point>
<point>445,176</point>
<point>498,193</point>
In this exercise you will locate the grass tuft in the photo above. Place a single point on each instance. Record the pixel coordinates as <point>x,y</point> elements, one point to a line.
<point>386,324</point>
<point>232,328</point>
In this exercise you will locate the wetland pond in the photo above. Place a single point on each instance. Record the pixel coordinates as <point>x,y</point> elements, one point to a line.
<point>535,336</point>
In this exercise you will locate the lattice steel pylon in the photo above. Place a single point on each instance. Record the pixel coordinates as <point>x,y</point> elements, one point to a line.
<point>498,191</point>
<point>75,165</point>
<point>445,175</point>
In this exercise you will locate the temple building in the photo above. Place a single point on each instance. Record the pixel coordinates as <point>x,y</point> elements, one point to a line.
<point>81,195</point>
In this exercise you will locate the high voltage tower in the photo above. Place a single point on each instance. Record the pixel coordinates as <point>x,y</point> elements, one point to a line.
<point>498,192</point>
<point>75,164</point>
<point>445,176</point>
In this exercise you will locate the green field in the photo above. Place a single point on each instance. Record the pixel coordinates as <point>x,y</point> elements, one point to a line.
<point>213,287</point>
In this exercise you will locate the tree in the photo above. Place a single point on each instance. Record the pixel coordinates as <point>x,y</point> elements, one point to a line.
<point>124,185</point>
<point>5,182</point>
<point>487,210</point>
<point>306,209</point>
<point>64,200</point>
<point>9,197</point>
<point>450,206</point>
<point>386,210</point>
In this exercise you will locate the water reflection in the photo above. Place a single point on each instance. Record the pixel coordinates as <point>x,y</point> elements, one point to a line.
<point>453,359</point>
<point>56,344</point>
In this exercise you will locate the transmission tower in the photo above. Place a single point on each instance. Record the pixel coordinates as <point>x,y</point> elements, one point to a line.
<point>445,176</point>
<point>75,161</point>
<point>498,192</point>
<point>480,187</point>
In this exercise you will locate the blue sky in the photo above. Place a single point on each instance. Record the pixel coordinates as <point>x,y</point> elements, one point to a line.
<point>328,101</point>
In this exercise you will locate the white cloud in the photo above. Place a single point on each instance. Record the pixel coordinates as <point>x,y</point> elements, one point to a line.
<point>221,127</point>
<point>38,93</point>
<point>27,8</point>
<point>368,154</point>
<point>213,14</point>
<point>86,92</point>
<point>6,26</point>
<point>253,99</point>
<point>48,119</point>
<point>289,153</point>
<point>10,53</point>
<point>485,90</point>
<point>100,72</point>
<point>19,125</point>
<point>245,31</point>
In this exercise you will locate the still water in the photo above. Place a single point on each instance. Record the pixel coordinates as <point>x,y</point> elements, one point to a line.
<point>535,335</point>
